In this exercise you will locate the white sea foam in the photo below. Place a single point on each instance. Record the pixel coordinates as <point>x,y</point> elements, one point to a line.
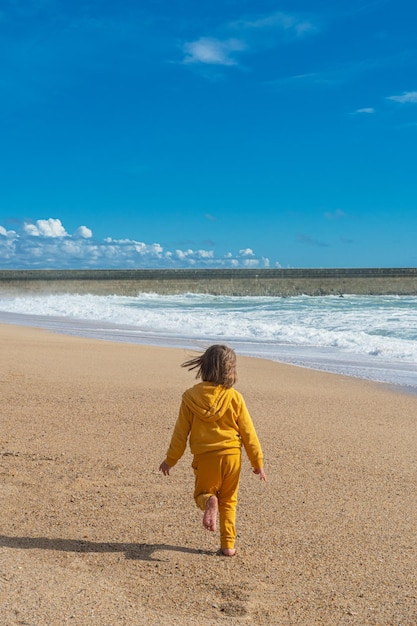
<point>369,336</point>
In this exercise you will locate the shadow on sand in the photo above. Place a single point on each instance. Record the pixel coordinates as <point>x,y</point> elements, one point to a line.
<point>142,551</point>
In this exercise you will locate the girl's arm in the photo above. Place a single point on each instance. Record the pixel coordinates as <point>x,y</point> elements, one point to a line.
<point>178,440</point>
<point>250,438</point>
<point>164,468</point>
<point>260,472</point>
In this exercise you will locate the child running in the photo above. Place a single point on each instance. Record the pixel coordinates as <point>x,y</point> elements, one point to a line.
<point>215,418</point>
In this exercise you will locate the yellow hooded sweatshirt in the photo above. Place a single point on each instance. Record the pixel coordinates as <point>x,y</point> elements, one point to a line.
<point>216,420</point>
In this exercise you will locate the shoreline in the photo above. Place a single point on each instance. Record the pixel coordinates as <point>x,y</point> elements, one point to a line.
<point>93,534</point>
<point>400,377</point>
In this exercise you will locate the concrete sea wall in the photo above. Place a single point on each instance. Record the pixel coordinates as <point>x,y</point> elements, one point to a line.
<point>232,282</point>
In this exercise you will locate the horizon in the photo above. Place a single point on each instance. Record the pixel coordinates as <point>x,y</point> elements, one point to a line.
<point>198,270</point>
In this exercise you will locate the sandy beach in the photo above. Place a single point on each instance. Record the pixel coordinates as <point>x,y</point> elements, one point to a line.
<point>93,535</point>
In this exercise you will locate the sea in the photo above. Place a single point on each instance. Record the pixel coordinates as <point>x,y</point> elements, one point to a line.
<point>371,337</point>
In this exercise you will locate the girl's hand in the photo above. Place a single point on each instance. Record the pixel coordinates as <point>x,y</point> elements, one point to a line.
<point>260,473</point>
<point>164,468</point>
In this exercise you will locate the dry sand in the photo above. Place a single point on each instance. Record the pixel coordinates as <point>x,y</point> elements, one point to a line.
<point>91,534</point>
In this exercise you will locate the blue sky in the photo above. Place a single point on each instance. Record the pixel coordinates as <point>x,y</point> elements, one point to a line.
<point>220,133</point>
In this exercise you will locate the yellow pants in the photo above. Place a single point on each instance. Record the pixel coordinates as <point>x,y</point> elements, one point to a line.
<point>218,475</point>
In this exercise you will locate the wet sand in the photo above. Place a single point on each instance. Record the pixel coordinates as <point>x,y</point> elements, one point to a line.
<point>91,534</point>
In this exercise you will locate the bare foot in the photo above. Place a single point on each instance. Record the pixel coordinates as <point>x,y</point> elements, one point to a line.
<point>210,514</point>
<point>229,551</point>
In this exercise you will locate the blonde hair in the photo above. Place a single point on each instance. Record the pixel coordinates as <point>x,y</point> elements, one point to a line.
<point>216,365</point>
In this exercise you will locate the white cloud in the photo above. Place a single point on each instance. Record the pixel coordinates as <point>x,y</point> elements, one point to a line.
<point>45,244</point>
<point>83,232</point>
<point>45,228</point>
<point>194,255</point>
<point>31,229</point>
<point>6,233</point>
<point>182,255</point>
<point>246,34</point>
<point>206,254</point>
<point>368,110</point>
<point>246,252</point>
<point>406,97</point>
<point>212,51</point>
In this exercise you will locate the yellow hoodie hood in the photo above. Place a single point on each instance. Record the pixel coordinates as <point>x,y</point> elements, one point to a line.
<point>207,401</point>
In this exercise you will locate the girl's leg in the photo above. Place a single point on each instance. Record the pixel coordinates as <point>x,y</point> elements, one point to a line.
<point>216,486</point>
<point>227,496</point>
<point>210,513</point>
<point>207,471</point>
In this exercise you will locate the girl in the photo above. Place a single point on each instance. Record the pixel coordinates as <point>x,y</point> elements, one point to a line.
<point>215,418</point>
